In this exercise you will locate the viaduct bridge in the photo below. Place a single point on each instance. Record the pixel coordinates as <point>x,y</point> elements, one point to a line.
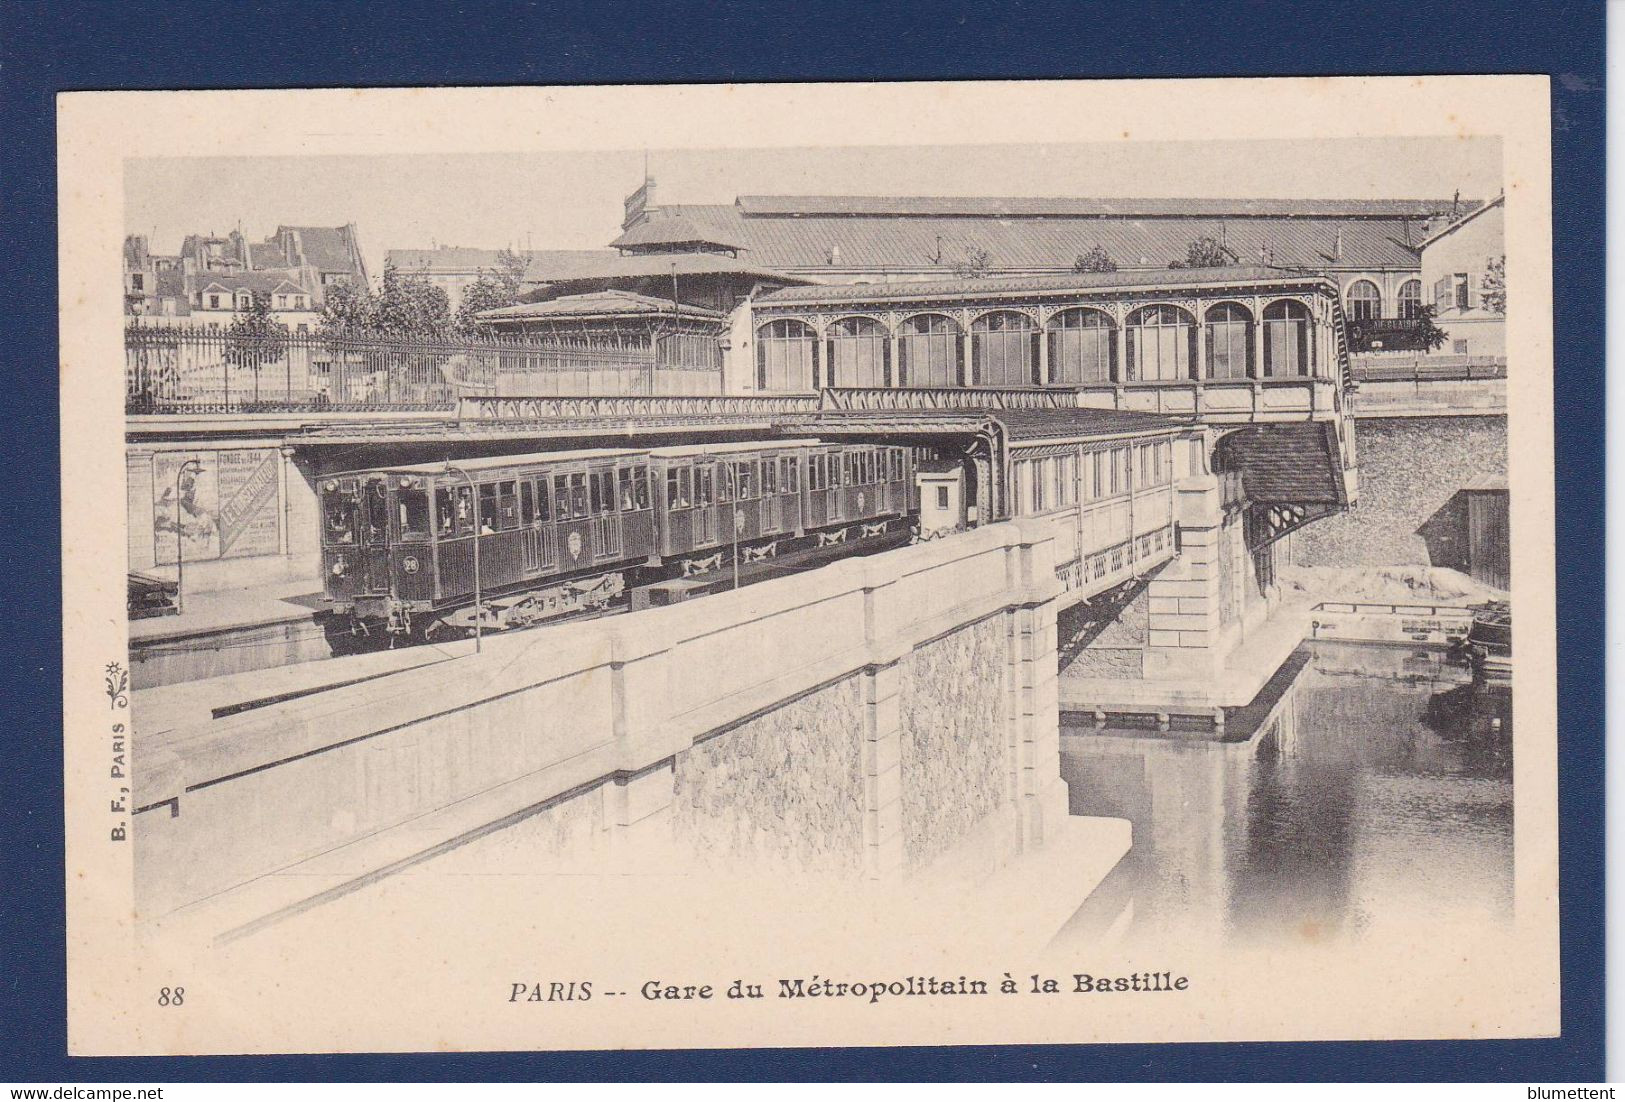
<point>915,694</point>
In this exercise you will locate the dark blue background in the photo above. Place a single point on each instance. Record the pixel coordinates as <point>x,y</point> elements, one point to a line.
<point>45,48</point>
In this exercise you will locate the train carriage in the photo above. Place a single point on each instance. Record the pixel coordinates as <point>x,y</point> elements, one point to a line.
<point>564,531</point>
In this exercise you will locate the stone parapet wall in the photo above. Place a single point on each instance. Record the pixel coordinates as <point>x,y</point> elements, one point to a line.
<point>621,710</point>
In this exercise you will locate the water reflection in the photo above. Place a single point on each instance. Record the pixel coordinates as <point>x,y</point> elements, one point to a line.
<point>1368,789</point>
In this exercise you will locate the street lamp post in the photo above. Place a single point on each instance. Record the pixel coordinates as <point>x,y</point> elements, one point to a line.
<point>194,467</point>
<point>474,504</point>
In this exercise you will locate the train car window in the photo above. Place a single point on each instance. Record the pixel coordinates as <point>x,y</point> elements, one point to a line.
<point>705,483</point>
<point>641,487</point>
<point>625,478</point>
<point>527,503</point>
<point>508,505</point>
<point>724,482</point>
<point>413,507</point>
<point>685,491</point>
<point>747,481</point>
<point>596,492</point>
<point>544,494</point>
<point>561,498</point>
<point>671,488</point>
<point>340,519</point>
<point>770,477</point>
<point>792,475</point>
<point>456,510</point>
<point>488,508</point>
<point>375,509</point>
<point>610,501</point>
<point>578,494</point>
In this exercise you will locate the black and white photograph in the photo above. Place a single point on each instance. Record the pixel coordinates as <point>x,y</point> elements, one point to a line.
<point>616,568</point>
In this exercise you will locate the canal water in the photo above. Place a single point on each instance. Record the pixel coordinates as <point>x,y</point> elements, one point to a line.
<point>1368,790</point>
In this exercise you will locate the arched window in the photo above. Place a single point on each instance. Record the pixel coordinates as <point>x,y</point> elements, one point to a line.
<point>928,349</point>
<point>1229,341</point>
<point>857,353</point>
<point>1365,301</point>
<point>1288,351</point>
<point>1004,349</point>
<point>1080,347</point>
<point>1161,344</point>
<point>1410,299</point>
<point>786,356</point>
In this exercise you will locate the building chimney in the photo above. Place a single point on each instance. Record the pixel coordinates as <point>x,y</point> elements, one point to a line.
<point>834,255</point>
<point>1337,247</point>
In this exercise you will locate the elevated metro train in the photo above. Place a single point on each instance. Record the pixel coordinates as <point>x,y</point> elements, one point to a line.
<point>563,532</point>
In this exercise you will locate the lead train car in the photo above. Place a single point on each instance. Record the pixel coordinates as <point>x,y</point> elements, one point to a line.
<point>564,531</point>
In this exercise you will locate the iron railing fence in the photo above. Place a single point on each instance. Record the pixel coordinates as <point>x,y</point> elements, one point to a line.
<point>1401,367</point>
<point>176,369</point>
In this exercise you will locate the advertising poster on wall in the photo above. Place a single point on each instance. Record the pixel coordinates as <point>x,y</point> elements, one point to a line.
<point>227,509</point>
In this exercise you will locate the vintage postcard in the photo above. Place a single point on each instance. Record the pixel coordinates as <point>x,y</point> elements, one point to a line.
<point>729,566</point>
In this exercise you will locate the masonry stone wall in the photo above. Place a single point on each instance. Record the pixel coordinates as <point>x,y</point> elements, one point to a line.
<point>954,738</point>
<point>1106,639</point>
<point>1411,471</point>
<point>783,788</point>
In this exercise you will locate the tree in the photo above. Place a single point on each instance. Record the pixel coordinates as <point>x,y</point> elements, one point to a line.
<point>348,309</point>
<point>1203,252</point>
<point>1096,259</point>
<point>1493,288</point>
<point>405,305</point>
<point>255,339</point>
<point>493,289</point>
<point>1427,336</point>
<point>410,306</point>
<point>977,264</point>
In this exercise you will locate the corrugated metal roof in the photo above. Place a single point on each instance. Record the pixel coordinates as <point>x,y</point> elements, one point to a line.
<point>1031,425</point>
<point>1291,464</point>
<point>454,258</point>
<point>595,304</point>
<point>604,264</point>
<point>1077,281</point>
<point>669,228</point>
<point>1072,206</point>
<point>924,242</point>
